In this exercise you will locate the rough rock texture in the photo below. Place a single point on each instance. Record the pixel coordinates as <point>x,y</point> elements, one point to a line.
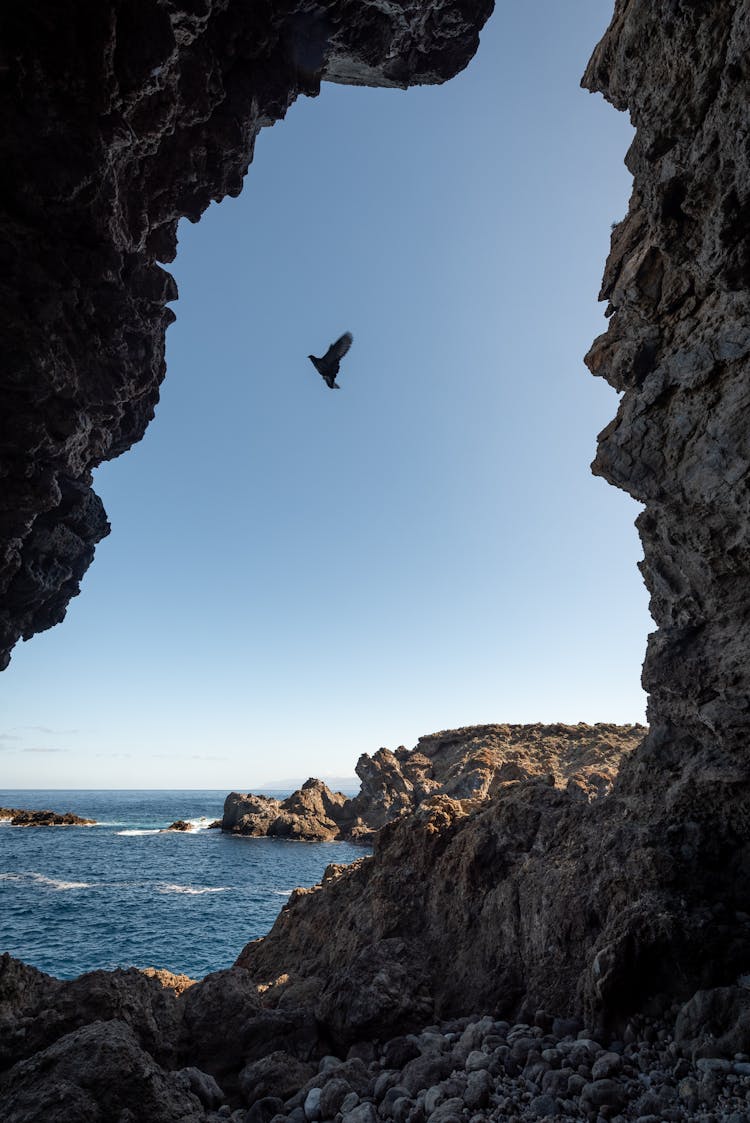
<point>207,1053</point>
<point>467,764</point>
<point>314,813</point>
<point>121,118</point>
<point>20,818</point>
<point>678,348</point>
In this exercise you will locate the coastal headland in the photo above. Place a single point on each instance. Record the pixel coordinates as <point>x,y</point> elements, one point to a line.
<point>530,954</point>
<point>468,764</point>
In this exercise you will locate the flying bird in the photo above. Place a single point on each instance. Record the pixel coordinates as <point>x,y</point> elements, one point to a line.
<point>328,366</point>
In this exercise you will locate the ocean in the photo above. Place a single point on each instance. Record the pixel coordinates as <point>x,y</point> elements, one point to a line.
<point>123,894</point>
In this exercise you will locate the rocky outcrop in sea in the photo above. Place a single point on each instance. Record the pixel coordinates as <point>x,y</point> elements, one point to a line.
<point>469,764</point>
<point>20,818</point>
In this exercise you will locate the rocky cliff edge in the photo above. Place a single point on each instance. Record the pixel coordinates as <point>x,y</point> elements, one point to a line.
<point>469,764</point>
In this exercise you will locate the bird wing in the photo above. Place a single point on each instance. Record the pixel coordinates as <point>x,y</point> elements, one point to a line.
<point>338,349</point>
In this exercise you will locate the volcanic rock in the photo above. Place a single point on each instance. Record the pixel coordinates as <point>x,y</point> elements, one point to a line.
<point>98,1072</point>
<point>466,764</point>
<point>314,813</point>
<point>19,818</point>
<point>46,1009</point>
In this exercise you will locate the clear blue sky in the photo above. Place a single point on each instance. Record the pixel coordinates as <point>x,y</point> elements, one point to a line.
<point>297,575</point>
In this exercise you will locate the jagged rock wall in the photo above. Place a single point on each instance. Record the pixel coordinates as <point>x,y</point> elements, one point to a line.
<point>121,118</point>
<point>678,348</point>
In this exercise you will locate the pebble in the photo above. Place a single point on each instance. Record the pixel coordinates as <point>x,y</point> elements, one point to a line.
<point>543,1106</point>
<point>363,1113</point>
<point>311,1105</point>
<point>477,1060</point>
<point>480,1070</point>
<point>450,1111</point>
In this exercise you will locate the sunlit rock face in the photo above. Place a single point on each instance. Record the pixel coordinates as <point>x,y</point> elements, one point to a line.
<point>120,118</point>
<point>471,765</point>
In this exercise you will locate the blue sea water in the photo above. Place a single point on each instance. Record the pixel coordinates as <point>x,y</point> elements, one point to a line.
<point>123,893</point>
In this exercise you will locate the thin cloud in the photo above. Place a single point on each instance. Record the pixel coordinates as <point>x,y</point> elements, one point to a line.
<point>44,750</point>
<point>9,737</point>
<point>195,756</point>
<point>113,756</point>
<point>53,732</point>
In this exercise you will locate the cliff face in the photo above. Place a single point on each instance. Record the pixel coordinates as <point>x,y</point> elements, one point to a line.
<point>678,349</point>
<point>472,764</point>
<point>121,118</point>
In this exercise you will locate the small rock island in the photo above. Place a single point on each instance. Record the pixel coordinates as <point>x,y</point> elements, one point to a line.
<point>21,818</point>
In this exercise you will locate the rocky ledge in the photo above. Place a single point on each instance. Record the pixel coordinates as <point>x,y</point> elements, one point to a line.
<point>469,764</point>
<point>20,818</point>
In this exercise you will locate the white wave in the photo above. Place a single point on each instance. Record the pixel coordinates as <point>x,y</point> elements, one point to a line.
<point>55,883</point>
<point>190,890</point>
<point>11,877</point>
<point>153,830</point>
<point>281,892</point>
<point>201,823</point>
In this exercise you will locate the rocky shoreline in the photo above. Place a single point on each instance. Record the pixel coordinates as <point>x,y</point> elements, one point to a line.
<point>209,1052</point>
<point>470,764</point>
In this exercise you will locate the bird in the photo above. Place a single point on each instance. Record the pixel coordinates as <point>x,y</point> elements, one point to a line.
<point>328,366</point>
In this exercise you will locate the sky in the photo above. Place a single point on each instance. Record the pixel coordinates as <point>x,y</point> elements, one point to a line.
<point>296,575</point>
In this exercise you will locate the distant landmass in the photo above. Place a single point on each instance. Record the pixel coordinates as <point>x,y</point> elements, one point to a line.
<point>292,783</point>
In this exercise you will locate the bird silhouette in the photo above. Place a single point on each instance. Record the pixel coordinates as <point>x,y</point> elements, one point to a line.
<point>328,366</point>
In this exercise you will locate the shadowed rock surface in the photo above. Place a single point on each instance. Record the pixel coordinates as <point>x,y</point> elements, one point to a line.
<point>128,1046</point>
<point>121,118</point>
<point>467,764</point>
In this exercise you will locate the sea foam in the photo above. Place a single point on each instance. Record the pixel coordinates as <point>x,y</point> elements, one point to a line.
<point>190,890</point>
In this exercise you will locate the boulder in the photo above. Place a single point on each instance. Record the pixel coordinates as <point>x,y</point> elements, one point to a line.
<point>98,1072</point>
